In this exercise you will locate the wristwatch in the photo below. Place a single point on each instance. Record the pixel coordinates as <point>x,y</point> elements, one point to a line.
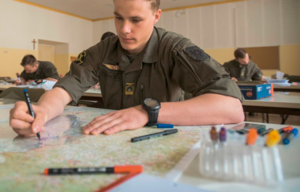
<point>152,107</point>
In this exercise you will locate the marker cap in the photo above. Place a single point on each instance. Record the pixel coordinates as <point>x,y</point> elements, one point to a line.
<point>128,169</point>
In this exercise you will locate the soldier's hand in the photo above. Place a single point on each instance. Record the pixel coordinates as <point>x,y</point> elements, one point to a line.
<point>23,123</point>
<point>113,122</point>
<point>233,78</point>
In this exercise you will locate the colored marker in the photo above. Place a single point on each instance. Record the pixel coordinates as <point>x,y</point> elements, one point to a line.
<point>266,132</point>
<point>290,136</point>
<point>27,99</point>
<point>252,137</point>
<point>154,135</point>
<point>261,130</point>
<point>273,138</point>
<point>213,134</point>
<point>19,79</point>
<point>162,126</point>
<point>285,129</point>
<point>222,135</point>
<point>94,170</point>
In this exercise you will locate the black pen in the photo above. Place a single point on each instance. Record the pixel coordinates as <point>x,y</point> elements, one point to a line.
<point>154,135</point>
<point>27,99</point>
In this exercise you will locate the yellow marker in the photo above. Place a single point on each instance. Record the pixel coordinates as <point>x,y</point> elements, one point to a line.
<point>273,138</point>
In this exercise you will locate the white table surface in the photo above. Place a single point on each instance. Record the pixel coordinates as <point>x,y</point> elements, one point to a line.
<point>280,99</point>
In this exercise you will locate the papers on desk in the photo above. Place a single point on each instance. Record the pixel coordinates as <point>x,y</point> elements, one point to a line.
<point>279,82</point>
<point>47,85</point>
<point>149,183</point>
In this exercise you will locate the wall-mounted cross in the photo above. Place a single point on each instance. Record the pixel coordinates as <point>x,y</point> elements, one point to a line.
<point>33,43</point>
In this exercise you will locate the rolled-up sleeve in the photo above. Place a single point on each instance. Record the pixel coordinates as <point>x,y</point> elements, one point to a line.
<point>82,74</point>
<point>197,73</point>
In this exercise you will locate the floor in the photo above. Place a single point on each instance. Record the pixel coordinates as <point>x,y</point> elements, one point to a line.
<point>273,118</point>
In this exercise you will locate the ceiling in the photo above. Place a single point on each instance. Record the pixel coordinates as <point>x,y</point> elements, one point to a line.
<point>100,9</point>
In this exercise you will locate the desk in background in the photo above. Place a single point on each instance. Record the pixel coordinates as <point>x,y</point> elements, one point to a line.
<point>91,96</point>
<point>281,103</point>
<point>292,88</point>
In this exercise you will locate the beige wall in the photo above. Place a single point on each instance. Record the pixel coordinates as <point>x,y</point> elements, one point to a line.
<point>221,55</point>
<point>10,60</point>
<point>290,59</point>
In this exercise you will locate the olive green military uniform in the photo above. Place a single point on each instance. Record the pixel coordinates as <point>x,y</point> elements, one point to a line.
<point>168,64</point>
<point>45,70</point>
<point>243,72</point>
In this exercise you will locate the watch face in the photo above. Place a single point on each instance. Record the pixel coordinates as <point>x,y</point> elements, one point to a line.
<point>151,103</point>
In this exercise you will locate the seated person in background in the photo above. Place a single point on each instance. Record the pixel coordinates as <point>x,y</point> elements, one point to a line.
<point>242,68</point>
<point>37,71</point>
<point>107,34</point>
<point>142,73</point>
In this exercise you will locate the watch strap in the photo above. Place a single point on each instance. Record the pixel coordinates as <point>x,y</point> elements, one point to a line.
<point>153,116</point>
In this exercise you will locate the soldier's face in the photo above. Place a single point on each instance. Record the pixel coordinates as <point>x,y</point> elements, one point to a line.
<point>244,61</point>
<point>134,21</point>
<point>31,68</point>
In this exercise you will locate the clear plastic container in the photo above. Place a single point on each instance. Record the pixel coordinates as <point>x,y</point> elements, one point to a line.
<point>235,161</point>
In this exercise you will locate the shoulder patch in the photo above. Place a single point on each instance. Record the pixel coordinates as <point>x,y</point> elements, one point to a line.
<point>196,53</point>
<point>81,58</point>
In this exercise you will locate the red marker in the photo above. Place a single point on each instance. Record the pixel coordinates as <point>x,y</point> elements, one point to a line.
<point>285,129</point>
<point>94,170</point>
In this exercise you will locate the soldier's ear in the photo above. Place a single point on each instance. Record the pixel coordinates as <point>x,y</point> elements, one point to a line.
<point>157,15</point>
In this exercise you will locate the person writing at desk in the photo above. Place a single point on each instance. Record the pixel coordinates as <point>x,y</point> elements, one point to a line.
<point>142,73</point>
<point>37,71</point>
<point>242,68</point>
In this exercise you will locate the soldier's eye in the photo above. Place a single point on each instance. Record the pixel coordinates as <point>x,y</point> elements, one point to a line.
<point>136,20</point>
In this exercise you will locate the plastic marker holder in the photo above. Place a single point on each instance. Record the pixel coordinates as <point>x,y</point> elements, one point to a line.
<point>234,161</point>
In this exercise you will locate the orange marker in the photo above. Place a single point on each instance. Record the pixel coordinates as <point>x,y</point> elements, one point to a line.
<point>252,137</point>
<point>273,138</point>
<point>94,170</point>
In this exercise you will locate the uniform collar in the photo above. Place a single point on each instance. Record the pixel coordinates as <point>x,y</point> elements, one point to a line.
<point>150,53</point>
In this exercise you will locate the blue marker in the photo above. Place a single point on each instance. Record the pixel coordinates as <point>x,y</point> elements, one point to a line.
<point>290,136</point>
<point>162,126</point>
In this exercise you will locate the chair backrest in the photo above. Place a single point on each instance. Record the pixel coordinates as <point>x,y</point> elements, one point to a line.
<point>16,93</point>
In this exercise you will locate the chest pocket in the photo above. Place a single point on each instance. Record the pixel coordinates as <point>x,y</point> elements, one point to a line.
<point>111,81</point>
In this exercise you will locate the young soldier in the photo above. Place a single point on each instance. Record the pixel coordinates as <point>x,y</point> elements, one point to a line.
<point>37,70</point>
<point>242,68</point>
<point>142,65</point>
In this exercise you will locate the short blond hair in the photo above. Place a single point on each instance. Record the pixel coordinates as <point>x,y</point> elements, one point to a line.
<point>154,4</point>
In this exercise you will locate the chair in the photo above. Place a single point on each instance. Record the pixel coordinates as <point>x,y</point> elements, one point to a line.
<point>16,93</point>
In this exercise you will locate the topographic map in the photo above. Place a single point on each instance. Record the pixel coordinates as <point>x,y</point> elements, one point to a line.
<point>23,159</point>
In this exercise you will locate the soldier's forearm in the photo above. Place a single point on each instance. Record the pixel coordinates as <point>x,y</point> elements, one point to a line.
<point>54,102</point>
<point>202,110</point>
